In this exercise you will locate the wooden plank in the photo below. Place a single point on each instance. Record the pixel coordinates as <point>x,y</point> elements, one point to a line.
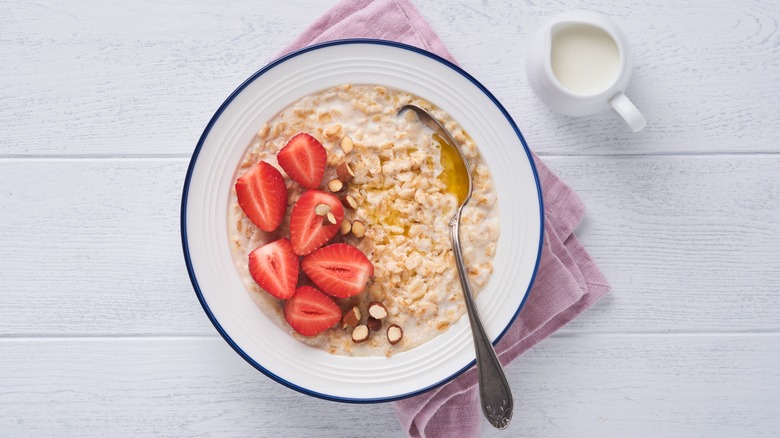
<point>706,87</point>
<point>610,386</point>
<point>130,78</point>
<point>649,385</point>
<point>118,78</point>
<point>688,243</point>
<point>92,246</point>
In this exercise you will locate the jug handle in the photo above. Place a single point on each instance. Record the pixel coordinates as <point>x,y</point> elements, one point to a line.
<point>628,112</point>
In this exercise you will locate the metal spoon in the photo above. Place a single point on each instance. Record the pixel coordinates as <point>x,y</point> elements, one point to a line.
<point>494,391</point>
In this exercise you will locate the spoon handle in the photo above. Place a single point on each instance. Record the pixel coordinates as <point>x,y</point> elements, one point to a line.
<point>494,391</point>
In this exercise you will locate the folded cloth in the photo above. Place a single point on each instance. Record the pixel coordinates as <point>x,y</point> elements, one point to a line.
<point>567,282</point>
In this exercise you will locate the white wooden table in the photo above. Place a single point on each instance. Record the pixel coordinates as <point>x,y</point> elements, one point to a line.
<point>102,102</point>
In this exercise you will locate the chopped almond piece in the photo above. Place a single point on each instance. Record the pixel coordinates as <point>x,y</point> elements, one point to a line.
<point>329,219</point>
<point>349,202</point>
<point>377,310</point>
<point>345,173</point>
<point>358,229</point>
<point>335,185</point>
<point>374,324</point>
<point>322,209</point>
<point>346,227</point>
<point>347,144</point>
<point>394,334</point>
<point>360,333</point>
<point>350,318</point>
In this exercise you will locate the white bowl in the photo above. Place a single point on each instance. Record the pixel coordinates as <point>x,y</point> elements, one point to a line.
<point>210,177</point>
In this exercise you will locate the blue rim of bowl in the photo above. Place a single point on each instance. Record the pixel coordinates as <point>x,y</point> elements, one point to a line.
<point>194,159</point>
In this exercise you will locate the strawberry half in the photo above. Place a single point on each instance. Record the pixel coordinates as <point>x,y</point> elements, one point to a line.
<point>310,311</point>
<point>275,268</point>
<point>306,230</point>
<point>304,159</point>
<point>340,270</point>
<point>262,195</point>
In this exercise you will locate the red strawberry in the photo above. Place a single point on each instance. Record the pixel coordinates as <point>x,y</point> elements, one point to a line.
<point>340,270</point>
<point>306,230</point>
<point>304,159</point>
<point>310,311</point>
<point>262,195</point>
<point>275,268</point>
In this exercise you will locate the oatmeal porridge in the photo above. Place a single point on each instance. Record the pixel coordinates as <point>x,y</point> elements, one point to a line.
<point>404,195</point>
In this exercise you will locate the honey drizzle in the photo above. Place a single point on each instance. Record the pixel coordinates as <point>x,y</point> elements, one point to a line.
<point>454,174</point>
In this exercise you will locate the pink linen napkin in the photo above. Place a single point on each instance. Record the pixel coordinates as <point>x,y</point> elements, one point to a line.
<point>568,281</point>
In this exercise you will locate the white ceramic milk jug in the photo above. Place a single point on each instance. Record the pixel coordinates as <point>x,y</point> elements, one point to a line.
<point>578,64</point>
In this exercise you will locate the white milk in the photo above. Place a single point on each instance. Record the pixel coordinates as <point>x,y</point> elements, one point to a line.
<point>585,59</point>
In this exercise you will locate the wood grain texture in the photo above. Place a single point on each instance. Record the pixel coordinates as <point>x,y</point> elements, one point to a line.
<point>119,78</point>
<point>128,78</point>
<point>688,244</point>
<point>607,386</point>
<point>107,249</point>
<point>705,73</point>
<point>102,102</point>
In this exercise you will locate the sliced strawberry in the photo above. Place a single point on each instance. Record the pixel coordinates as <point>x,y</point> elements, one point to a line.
<point>304,159</point>
<point>310,311</point>
<point>262,195</point>
<point>306,230</point>
<point>275,268</point>
<point>340,269</point>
